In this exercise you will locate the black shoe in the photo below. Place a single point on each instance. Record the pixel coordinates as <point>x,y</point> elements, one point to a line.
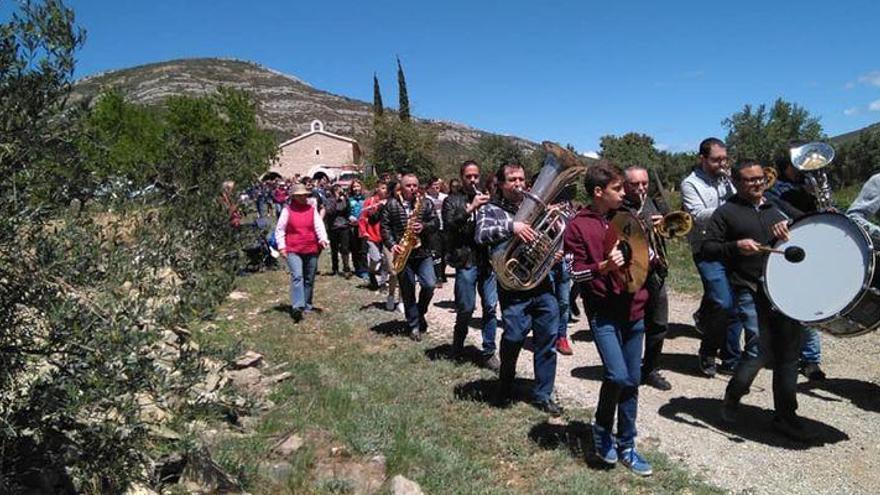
<point>548,406</point>
<point>729,409</point>
<point>503,394</point>
<point>454,353</point>
<point>707,366</point>
<point>813,372</point>
<point>727,369</point>
<point>296,314</point>
<point>491,363</point>
<point>656,380</point>
<point>793,427</point>
<point>415,336</point>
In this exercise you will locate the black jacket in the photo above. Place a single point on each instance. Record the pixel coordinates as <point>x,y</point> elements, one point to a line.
<point>735,220</point>
<point>461,249</point>
<point>393,221</point>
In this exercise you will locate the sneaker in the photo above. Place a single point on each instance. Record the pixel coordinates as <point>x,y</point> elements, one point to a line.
<point>636,463</point>
<point>390,303</point>
<point>656,380</point>
<point>697,326</point>
<point>347,275</point>
<point>707,366</point>
<point>793,427</point>
<point>729,409</point>
<point>813,372</point>
<point>503,394</point>
<point>400,308</point>
<point>296,314</point>
<point>604,444</point>
<point>548,406</point>
<point>563,347</point>
<point>415,335</point>
<point>491,363</point>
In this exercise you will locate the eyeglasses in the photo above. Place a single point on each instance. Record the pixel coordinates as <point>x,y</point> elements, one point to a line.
<point>718,159</point>
<point>753,180</point>
<point>635,184</point>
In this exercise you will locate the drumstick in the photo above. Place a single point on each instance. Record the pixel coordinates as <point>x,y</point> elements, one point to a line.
<point>793,254</point>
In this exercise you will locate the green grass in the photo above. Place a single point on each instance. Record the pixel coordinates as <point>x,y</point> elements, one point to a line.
<point>358,385</point>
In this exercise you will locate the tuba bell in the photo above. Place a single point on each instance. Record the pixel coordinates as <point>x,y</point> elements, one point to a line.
<point>519,265</point>
<point>770,177</point>
<point>811,159</point>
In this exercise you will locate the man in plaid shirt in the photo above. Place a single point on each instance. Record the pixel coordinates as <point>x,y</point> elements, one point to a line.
<point>535,309</point>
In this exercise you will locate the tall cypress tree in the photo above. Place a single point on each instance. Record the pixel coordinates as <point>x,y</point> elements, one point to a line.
<point>378,108</point>
<point>403,113</point>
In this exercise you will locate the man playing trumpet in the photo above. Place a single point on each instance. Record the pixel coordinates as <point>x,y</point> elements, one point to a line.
<point>651,213</point>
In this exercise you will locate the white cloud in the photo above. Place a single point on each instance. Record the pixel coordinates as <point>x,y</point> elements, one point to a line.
<point>591,154</point>
<point>851,111</point>
<point>661,147</point>
<point>871,79</point>
<point>874,106</point>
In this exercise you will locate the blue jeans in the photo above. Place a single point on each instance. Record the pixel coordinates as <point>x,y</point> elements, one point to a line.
<point>423,270</point>
<point>718,315</point>
<point>748,316</point>
<point>620,347</point>
<point>811,351</point>
<point>469,281</point>
<point>536,311</point>
<point>302,279</point>
<point>561,279</point>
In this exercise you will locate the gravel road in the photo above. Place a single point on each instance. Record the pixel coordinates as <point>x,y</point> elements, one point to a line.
<point>748,457</point>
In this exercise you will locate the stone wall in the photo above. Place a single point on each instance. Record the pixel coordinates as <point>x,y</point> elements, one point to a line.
<point>317,149</point>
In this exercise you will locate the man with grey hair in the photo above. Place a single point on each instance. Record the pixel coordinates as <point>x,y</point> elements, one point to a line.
<point>650,212</point>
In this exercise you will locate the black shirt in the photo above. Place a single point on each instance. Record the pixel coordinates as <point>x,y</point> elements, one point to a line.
<point>735,220</point>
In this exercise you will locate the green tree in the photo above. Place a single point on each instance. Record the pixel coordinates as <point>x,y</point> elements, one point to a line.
<point>403,96</point>
<point>494,151</point>
<point>378,108</point>
<point>403,146</point>
<point>629,149</point>
<point>762,134</point>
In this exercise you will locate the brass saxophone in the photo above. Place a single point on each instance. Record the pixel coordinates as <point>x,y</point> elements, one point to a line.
<point>410,239</point>
<point>519,265</point>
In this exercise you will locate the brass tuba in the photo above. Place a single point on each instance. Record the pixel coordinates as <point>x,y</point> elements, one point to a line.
<point>811,159</point>
<point>519,265</point>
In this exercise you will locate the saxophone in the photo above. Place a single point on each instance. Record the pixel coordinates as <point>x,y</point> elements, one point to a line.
<point>519,265</point>
<point>410,239</point>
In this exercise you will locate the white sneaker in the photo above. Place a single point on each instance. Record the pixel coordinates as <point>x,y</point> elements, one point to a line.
<point>390,304</point>
<point>400,308</point>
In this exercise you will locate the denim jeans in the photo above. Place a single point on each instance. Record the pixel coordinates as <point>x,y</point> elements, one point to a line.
<point>748,316</point>
<point>561,279</point>
<point>811,350</point>
<point>620,347</point>
<point>302,279</point>
<point>718,316</point>
<point>421,269</point>
<point>779,345</point>
<point>469,281</point>
<point>534,310</point>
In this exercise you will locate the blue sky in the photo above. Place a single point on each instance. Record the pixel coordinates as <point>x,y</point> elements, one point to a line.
<point>566,71</point>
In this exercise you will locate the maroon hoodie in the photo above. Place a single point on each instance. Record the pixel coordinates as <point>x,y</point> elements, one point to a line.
<point>589,239</point>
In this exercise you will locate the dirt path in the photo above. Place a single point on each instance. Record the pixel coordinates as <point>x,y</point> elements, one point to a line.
<point>749,457</point>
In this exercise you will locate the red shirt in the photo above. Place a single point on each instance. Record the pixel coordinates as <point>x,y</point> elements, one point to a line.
<point>300,236</point>
<point>370,231</point>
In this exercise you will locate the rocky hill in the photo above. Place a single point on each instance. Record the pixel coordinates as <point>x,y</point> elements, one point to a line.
<point>286,104</point>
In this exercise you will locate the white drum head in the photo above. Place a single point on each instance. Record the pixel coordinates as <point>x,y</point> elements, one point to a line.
<point>831,276</point>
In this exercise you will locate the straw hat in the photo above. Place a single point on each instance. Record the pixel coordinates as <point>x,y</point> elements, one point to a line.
<point>299,190</point>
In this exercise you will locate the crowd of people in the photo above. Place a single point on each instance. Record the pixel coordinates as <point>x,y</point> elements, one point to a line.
<point>400,236</point>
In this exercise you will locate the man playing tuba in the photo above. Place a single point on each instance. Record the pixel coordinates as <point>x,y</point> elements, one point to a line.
<point>534,309</point>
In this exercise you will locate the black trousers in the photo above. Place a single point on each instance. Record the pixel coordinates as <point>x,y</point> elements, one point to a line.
<point>339,246</point>
<point>656,322</point>
<point>358,250</point>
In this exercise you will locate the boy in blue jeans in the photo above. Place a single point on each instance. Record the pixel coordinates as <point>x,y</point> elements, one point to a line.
<point>616,316</point>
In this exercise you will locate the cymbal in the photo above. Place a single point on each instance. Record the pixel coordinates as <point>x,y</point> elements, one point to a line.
<point>629,230</point>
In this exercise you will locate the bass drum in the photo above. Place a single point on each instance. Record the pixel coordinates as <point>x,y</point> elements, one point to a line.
<point>836,288</point>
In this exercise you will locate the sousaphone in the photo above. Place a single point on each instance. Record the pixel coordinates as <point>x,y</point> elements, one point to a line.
<point>634,246</point>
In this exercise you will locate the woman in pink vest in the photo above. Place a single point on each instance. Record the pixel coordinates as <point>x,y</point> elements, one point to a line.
<point>300,234</point>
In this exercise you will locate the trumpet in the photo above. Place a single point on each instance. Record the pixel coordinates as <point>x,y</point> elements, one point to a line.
<point>674,224</point>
